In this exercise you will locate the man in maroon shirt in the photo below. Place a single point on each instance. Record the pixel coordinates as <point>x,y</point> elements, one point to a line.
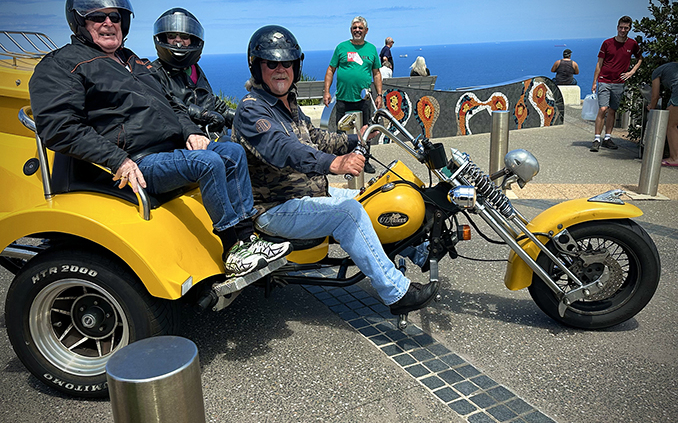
<point>611,72</point>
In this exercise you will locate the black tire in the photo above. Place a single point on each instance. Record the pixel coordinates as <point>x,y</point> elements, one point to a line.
<point>69,310</point>
<point>633,266</point>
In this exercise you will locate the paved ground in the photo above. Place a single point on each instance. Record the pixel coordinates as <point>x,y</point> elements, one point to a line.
<point>482,354</point>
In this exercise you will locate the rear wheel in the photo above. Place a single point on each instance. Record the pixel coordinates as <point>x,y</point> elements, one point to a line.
<point>68,311</point>
<point>633,270</point>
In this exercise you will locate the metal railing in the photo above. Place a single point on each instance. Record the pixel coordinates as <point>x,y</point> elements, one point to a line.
<point>24,45</point>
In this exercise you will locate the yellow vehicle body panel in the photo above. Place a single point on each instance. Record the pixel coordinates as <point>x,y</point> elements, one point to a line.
<point>310,255</point>
<point>14,77</point>
<point>175,245</point>
<point>402,199</point>
<point>555,219</point>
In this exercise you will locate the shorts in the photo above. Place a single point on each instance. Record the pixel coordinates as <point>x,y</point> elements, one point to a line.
<point>609,95</point>
<point>673,101</point>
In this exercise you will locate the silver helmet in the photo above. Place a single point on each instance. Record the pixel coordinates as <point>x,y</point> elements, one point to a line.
<point>181,21</point>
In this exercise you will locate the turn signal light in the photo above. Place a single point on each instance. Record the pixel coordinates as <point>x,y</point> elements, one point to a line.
<point>464,232</point>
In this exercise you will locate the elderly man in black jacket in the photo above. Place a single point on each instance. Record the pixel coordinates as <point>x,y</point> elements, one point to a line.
<point>97,101</point>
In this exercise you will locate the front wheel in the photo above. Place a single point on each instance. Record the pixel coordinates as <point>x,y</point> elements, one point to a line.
<point>633,270</point>
<point>68,311</point>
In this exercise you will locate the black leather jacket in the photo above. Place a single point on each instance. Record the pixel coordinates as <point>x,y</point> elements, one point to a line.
<point>91,107</point>
<point>180,85</point>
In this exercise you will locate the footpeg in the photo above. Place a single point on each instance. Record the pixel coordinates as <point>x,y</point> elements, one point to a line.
<point>402,321</point>
<point>236,284</point>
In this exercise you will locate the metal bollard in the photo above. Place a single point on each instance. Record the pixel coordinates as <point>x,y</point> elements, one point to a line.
<point>499,139</point>
<point>655,134</point>
<point>156,379</point>
<point>357,182</point>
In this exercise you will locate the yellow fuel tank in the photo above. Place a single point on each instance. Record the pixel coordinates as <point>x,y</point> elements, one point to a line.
<point>397,210</point>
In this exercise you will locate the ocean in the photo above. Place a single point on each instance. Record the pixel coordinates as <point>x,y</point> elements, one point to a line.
<point>456,65</point>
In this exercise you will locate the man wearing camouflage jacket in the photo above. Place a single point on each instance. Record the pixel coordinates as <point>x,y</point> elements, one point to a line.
<point>289,159</point>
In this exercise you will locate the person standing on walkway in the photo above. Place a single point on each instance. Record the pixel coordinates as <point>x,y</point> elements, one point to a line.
<point>612,70</point>
<point>385,53</point>
<point>667,75</point>
<point>565,68</point>
<point>357,63</point>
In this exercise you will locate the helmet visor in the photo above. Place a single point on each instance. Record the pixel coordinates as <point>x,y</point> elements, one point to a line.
<point>83,7</point>
<point>178,22</point>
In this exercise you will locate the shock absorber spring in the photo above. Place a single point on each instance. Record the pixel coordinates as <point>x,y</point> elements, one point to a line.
<point>488,189</point>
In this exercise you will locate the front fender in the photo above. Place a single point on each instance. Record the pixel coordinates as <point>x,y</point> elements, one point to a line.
<point>177,244</point>
<point>555,219</point>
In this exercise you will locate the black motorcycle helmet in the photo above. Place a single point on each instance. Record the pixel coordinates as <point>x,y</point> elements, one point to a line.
<point>275,43</point>
<point>178,20</point>
<point>77,9</point>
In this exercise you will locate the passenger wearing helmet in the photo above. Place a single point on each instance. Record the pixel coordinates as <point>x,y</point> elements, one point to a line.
<point>97,101</point>
<point>289,159</point>
<point>179,40</point>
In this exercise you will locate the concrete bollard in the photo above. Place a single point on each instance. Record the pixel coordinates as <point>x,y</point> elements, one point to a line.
<point>499,138</point>
<point>653,140</point>
<point>156,380</point>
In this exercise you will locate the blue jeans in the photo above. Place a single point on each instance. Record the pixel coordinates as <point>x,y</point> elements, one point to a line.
<point>221,171</point>
<point>345,219</point>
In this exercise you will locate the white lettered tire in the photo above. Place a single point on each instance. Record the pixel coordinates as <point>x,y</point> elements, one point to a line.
<point>69,310</point>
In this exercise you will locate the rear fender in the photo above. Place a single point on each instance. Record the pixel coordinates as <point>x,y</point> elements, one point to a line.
<point>176,247</point>
<point>555,219</point>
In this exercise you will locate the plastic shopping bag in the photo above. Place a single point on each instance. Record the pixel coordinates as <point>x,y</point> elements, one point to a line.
<point>589,110</point>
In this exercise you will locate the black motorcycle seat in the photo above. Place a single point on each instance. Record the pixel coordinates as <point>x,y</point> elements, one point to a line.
<point>72,175</point>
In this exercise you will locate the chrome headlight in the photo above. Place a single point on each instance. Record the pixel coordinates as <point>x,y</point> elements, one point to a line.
<point>463,196</point>
<point>522,164</point>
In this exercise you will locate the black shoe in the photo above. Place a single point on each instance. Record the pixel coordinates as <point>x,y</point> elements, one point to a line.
<point>607,143</point>
<point>369,168</point>
<point>417,296</point>
<point>595,146</point>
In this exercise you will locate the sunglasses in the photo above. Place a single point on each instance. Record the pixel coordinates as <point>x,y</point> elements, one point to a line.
<point>100,17</point>
<point>357,27</point>
<point>177,34</point>
<point>272,65</point>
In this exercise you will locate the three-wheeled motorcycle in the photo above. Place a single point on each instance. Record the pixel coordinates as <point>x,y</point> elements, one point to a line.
<point>97,267</point>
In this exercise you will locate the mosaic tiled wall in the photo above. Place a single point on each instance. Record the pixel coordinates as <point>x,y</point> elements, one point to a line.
<point>532,102</point>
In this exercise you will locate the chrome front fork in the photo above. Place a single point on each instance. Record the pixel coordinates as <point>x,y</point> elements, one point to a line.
<point>504,229</point>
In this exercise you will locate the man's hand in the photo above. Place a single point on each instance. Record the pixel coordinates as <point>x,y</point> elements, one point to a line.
<point>379,101</point>
<point>327,98</point>
<point>626,75</point>
<point>351,163</point>
<point>593,88</point>
<point>129,173</point>
<point>197,142</point>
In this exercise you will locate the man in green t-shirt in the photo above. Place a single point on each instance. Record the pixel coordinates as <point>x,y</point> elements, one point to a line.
<point>357,62</point>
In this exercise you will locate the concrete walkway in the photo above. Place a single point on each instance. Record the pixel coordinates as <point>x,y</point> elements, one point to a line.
<point>482,354</point>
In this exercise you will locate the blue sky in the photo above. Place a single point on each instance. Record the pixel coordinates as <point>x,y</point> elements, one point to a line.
<point>320,25</point>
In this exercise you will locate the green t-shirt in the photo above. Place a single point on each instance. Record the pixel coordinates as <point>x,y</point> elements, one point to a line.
<point>354,68</point>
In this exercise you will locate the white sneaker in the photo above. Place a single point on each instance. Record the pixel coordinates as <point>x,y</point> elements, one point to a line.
<point>269,250</point>
<point>241,261</point>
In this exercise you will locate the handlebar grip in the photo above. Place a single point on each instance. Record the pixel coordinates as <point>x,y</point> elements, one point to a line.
<point>359,149</point>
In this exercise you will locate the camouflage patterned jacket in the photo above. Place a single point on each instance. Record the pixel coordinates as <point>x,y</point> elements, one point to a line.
<point>287,157</point>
